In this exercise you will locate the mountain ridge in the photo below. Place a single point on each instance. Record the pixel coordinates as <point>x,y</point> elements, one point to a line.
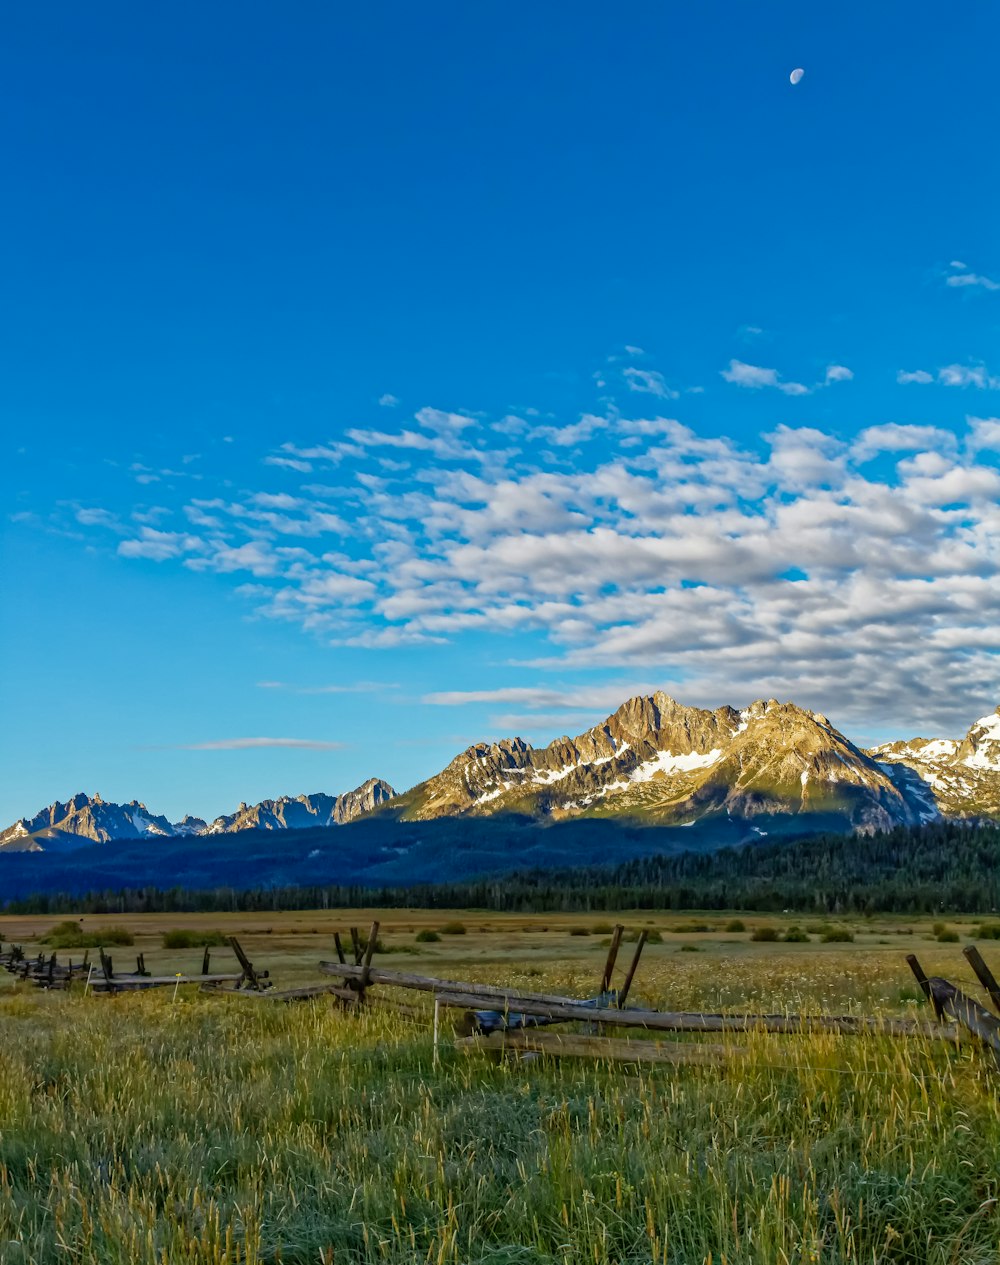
<point>653,760</point>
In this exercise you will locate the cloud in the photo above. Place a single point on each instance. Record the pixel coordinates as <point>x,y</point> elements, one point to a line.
<point>754,376</point>
<point>838,373</point>
<point>964,278</point>
<point>975,375</point>
<point>249,744</point>
<point>356,687</point>
<point>790,566</point>
<point>648,382</point>
<point>159,546</point>
<point>388,401</point>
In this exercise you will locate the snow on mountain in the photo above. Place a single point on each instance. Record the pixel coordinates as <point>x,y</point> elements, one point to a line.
<point>85,819</point>
<point>660,761</point>
<point>960,776</point>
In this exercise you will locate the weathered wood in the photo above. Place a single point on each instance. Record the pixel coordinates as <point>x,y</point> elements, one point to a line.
<point>921,978</point>
<point>630,975</point>
<point>432,984</point>
<point>366,961</point>
<point>356,946</point>
<point>206,958</point>
<point>686,1021</point>
<point>951,1001</point>
<point>604,1049</point>
<point>161,981</point>
<point>609,965</point>
<point>339,947</point>
<point>983,974</point>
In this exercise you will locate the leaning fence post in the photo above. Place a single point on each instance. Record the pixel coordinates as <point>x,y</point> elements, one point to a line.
<point>437,1026</point>
<point>366,961</point>
<point>340,948</point>
<point>983,974</point>
<point>923,981</point>
<point>609,965</point>
<point>356,945</point>
<point>623,995</point>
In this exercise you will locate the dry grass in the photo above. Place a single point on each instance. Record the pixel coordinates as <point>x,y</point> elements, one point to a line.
<point>215,1130</point>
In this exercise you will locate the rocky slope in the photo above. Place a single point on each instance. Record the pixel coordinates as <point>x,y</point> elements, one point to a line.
<point>960,777</point>
<point>85,819</point>
<point>660,761</point>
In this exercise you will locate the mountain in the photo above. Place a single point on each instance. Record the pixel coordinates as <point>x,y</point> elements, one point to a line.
<point>305,810</point>
<point>958,777</point>
<point>85,819</point>
<point>658,761</point>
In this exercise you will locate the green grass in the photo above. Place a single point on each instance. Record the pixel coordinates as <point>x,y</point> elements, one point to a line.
<point>70,935</point>
<point>185,938</point>
<point>220,1130</point>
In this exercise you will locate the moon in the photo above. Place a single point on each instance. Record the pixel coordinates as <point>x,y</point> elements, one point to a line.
<point>796,75</point>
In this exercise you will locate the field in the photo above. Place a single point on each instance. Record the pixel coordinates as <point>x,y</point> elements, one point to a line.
<point>197,1129</point>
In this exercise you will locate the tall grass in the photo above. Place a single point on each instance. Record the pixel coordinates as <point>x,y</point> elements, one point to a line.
<point>215,1131</point>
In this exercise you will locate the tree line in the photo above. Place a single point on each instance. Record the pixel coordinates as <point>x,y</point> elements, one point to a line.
<point>945,867</point>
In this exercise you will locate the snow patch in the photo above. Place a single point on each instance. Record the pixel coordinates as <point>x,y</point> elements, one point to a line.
<point>666,762</point>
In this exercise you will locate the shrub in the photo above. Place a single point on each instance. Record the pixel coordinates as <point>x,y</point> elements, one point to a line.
<point>947,936</point>
<point>764,934</point>
<point>735,924</point>
<point>579,931</point>
<point>427,936</point>
<point>795,935</point>
<point>688,928</point>
<point>183,938</point>
<point>837,935</point>
<point>653,936</point>
<point>938,929</point>
<point>70,935</point>
<point>602,928</point>
<point>690,948</point>
<point>988,931</point>
<point>456,929</point>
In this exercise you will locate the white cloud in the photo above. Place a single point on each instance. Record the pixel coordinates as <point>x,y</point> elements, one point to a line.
<point>754,376</point>
<point>964,278</point>
<point>787,567</point>
<point>838,373</point>
<point>648,382</point>
<point>975,375</point>
<point>388,401</point>
<point>249,744</point>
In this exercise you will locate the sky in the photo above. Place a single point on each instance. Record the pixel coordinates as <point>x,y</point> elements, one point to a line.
<point>379,379</point>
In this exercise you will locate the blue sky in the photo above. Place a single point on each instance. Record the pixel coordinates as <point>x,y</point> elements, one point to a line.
<point>381,379</point>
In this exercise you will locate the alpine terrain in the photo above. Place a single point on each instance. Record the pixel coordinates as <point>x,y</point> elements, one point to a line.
<point>84,819</point>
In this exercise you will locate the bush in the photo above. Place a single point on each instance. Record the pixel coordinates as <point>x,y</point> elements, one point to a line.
<point>579,931</point>
<point>765,935</point>
<point>427,936</point>
<point>602,928</point>
<point>795,935</point>
<point>70,935</point>
<point>735,924</point>
<point>938,929</point>
<point>947,936</point>
<point>653,936</point>
<point>988,931</point>
<point>458,929</point>
<point>186,939</point>
<point>837,935</point>
<point>690,948</point>
<point>688,928</point>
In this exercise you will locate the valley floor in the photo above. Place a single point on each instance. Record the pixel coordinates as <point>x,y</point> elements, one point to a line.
<point>206,1129</point>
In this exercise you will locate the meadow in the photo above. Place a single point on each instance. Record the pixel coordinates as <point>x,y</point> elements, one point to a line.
<point>201,1129</point>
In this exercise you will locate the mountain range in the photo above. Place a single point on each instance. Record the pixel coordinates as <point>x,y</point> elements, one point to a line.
<point>738,774</point>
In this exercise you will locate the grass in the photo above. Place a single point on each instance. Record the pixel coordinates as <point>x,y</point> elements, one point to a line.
<point>215,1131</point>
<point>71,935</point>
<point>191,938</point>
